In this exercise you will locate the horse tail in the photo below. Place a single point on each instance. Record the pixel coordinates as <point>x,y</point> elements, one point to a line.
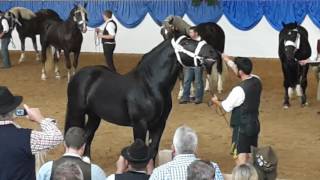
<point>217,77</point>
<point>49,64</point>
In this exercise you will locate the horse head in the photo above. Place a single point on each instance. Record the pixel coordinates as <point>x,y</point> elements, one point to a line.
<point>193,53</point>
<point>80,16</point>
<point>291,39</point>
<point>12,19</point>
<point>173,25</point>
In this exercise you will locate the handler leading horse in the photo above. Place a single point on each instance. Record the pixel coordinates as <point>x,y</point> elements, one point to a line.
<point>141,98</point>
<point>293,47</point>
<point>212,34</point>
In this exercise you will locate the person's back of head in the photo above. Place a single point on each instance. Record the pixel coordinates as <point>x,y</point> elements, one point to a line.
<point>200,170</point>
<point>68,171</point>
<point>75,138</point>
<point>244,172</point>
<point>185,140</point>
<point>244,64</point>
<point>108,13</point>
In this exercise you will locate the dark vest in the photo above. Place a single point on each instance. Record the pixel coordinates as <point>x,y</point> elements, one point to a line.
<point>85,167</point>
<point>16,159</point>
<point>7,34</point>
<point>246,116</point>
<point>105,32</point>
<point>131,175</point>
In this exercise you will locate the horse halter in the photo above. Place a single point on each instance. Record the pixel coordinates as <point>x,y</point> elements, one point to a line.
<point>295,43</point>
<point>82,13</point>
<point>178,48</point>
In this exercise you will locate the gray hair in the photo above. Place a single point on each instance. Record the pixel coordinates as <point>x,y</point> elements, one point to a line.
<point>200,170</point>
<point>7,116</point>
<point>185,140</point>
<point>68,171</point>
<point>244,172</point>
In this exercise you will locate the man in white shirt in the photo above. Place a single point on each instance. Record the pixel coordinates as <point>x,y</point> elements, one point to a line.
<point>243,101</point>
<point>5,35</point>
<point>185,143</point>
<point>108,38</point>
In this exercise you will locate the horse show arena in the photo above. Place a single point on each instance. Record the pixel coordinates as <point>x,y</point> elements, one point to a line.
<point>294,133</point>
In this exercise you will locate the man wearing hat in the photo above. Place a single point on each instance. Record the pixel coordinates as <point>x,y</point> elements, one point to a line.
<point>135,162</point>
<point>18,146</point>
<point>243,101</point>
<point>74,143</point>
<point>5,35</point>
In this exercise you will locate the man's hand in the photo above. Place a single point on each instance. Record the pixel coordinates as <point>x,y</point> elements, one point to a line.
<point>122,165</point>
<point>34,114</point>
<point>225,57</point>
<point>215,99</point>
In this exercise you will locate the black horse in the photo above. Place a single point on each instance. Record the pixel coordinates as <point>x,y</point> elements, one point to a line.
<point>31,24</point>
<point>66,36</point>
<point>293,47</point>
<point>211,32</point>
<point>140,99</point>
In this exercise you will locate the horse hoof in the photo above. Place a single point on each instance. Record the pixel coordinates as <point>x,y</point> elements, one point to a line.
<point>58,77</point>
<point>305,104</point>
<point>20,61</point>
<point>43,77</point>
<point>219,91</point>
<point>286,106</point>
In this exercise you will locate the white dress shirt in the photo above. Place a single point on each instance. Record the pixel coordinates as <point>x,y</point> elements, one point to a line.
<point>5,25</point>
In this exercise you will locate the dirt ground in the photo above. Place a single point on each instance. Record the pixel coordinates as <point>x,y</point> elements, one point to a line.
<point>294,133</point>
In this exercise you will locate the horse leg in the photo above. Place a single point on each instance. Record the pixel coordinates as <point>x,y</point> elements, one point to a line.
<point>75,61</point>
<point>180,84</point>
<point>207,88</point>
<point>35,46</point>
<point>140,130</point>
<point>43,60</point>
<point>56,65</point>
<point>286,85</point>
<point>220,82</point>
<point>90,128</point>
<point>22,56</point>
<point>68,63</point>
<point>318,82</point>
<point>304,84</point>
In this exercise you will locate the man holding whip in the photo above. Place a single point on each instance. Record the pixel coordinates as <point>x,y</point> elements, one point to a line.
<point>243,101</point>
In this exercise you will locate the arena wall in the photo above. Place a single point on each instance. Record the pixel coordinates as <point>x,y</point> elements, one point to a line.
<point>261,41</point>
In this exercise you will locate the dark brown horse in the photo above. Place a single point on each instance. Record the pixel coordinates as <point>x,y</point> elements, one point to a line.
<point>141,98</point>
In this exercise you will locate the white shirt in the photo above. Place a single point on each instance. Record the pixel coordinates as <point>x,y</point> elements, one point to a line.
<point>111,28</point>
<point>5,25</point>
<point>113,176</point>
<point>235,98</point>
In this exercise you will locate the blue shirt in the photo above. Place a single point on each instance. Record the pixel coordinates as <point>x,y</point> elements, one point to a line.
<point>45,171</point>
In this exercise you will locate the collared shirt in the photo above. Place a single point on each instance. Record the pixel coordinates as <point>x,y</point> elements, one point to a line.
<point>47,138</point>
<point>177,169</point>
<point>5,25</point>
<point>45,171</point>
<point>235,98</point>
<point>111,28</point>
<point>113,176</point>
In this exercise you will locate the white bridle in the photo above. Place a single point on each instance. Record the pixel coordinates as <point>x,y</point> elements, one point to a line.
<point>178,48</point>
<point>295,43</point>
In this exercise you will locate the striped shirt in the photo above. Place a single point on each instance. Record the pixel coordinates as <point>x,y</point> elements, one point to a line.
<point>47,138</point>
<point>177,169</point>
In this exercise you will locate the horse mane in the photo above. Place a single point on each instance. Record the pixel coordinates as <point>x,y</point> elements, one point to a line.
<point>23,12</point>
<point>48,14</point>
<point>178,23</point>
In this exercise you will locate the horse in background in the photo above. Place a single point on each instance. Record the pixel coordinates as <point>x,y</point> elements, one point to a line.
<point>66,36</point>
<point>141,98</point>
<point>30,24</point>
<point>293,47</point>
<point>213,35</point>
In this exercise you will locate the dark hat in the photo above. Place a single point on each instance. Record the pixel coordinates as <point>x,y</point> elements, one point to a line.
<point>8,102</point>
<point>243,64</point>
<point>75,137</point>
<point>265,161</point>
<point>137,152</point>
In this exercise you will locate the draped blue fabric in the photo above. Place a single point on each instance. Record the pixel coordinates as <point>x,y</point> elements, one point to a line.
<point>285,11</point>
<point>159,10</point>
<point>314,12</point>
<point>244,14</point>
<point>203,13</point>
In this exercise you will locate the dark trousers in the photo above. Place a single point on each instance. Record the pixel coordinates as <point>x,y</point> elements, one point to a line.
<point>108,55</point>
<point>5,52</point>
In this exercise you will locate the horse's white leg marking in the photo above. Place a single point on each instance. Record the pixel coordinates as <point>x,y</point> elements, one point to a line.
<point>38,57</point>
<point>69,75</point>
<point>180,89</point>
<point>290,92</point>
<point>207,88</point>
<point>56,70</point>
<point>220,84</point>
<point>299,90</point>
<point>22,58</point>
<point>43,74</point>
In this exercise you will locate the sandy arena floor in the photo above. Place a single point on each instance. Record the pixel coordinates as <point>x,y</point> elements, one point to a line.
<point>294,133</point>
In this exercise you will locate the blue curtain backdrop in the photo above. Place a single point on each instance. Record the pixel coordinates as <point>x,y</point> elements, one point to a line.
<point>244,14</point>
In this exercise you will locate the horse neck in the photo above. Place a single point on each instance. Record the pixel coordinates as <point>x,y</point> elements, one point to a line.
<point>159,67</point>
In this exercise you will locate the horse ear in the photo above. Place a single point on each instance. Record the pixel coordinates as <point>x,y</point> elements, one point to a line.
<point>85,5</point>
<point>171,20</point>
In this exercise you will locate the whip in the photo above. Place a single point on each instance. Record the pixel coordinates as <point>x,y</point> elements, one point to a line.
<point>218,109</point>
